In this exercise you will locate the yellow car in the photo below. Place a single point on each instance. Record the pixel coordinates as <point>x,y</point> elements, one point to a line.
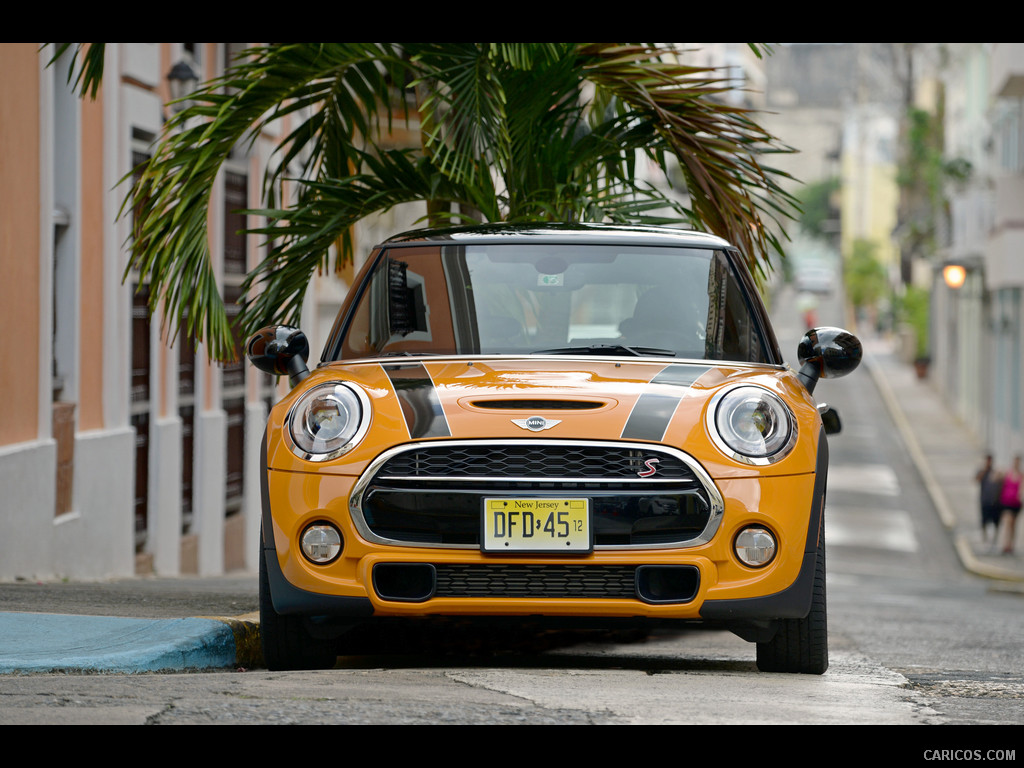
<point>576,425</point>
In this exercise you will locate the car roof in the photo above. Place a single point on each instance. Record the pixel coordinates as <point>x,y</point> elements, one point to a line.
<point>558,233</point>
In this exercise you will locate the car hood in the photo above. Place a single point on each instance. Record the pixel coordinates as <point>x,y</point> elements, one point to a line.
<point>540,398</point>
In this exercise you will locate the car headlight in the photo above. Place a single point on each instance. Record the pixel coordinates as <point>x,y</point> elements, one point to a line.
<point>755,546</point>
<point>327,421</point>
<point>321,542</point>
<point>751,424</point>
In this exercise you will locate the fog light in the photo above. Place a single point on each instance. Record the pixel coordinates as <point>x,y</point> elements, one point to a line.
<point>321,543</point>
<point>755,546</point>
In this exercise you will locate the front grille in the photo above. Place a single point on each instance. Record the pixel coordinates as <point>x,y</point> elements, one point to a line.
<point>501,580</point>
<point>533,461</point>
<point>432,493</point>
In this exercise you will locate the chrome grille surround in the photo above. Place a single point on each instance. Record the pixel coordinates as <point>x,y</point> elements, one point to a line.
<point>689,474</point>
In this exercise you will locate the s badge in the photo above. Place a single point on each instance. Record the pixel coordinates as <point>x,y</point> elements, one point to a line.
<point>652,467</point>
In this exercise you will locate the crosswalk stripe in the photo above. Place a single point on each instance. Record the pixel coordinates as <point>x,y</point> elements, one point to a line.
<point>864,478</point>
<point>889,529</point>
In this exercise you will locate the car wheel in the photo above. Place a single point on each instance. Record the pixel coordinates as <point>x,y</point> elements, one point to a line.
<point>801,645</point>
<point>286,642</point>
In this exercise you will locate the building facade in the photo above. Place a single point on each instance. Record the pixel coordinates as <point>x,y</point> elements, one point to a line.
<point>122,450</point>
<point>977,329</point>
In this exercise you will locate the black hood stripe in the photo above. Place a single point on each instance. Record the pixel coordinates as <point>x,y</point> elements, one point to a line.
<point>653,411</point>
<point>680,375</point>
<point>421,406</point>
<point>650,417</point>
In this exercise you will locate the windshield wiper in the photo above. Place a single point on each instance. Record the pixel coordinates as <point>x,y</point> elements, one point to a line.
<point>607,349</point>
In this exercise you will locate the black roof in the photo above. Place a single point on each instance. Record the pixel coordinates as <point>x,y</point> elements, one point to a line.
<point>554,233</point>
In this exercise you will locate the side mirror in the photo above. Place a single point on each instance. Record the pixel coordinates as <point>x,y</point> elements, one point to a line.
<point>827,353</point>
<point>279,350</point>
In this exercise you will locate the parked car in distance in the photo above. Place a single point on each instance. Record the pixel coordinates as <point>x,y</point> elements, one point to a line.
<point>816,279</point>
<point>579,426</point>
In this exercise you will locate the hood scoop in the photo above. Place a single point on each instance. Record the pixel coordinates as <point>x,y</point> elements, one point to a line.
<point>538,405</point>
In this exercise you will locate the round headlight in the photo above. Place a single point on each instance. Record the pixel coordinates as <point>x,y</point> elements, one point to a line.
<point>328,421</point>
<point>752,425</point>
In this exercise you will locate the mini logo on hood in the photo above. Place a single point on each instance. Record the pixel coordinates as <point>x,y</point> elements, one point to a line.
<point>536,423</point>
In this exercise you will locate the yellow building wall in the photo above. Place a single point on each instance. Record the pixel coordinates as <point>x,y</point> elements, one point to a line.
<point>869,203</point>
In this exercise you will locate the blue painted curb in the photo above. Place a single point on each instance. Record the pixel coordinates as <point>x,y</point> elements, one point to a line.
<point>40,642</point>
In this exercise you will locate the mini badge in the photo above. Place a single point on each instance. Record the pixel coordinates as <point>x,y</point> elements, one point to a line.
<point>536,423</point>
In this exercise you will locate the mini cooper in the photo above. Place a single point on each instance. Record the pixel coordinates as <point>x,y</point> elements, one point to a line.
<point>582,426</point>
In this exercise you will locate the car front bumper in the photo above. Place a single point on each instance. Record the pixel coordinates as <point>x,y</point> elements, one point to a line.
<point>701,582</point>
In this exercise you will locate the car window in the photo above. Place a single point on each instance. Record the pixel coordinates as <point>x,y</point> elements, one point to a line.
<point>564,299</point>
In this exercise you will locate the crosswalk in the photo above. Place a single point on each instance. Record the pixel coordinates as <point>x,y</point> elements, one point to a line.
<point>862,509</point>
<point>864,478</point>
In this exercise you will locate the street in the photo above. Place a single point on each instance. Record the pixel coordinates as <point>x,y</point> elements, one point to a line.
<point>898,596</point>
<point>914,639</point>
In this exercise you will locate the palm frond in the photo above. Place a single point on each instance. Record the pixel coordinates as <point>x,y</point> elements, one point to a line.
<point>303,236</point>
<point>463,106</point>
<point>88,75</point>
<point>341,89</point>
<point>718,146</point>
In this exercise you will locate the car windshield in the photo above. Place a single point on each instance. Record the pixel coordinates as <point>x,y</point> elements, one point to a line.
<point>513,299</point>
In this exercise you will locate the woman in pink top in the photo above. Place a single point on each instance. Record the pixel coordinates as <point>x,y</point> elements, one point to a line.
<point>1009,502</point>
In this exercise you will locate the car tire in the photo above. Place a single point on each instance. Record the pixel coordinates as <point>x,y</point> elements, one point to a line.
<point>286,642</point>
<point>801,645</point>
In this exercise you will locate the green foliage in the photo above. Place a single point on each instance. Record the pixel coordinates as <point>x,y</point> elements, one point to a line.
<point>913,309</point>
<point>864,275</point>
<point>958,169</point>
<point>816,207</point>
<point>923,174</point>
<point>922,166</point>
<point>89,70</point>
<point>509,132</point>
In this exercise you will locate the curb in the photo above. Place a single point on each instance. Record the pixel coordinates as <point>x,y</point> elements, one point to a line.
<point>248,651</point>
<point>42,642</point>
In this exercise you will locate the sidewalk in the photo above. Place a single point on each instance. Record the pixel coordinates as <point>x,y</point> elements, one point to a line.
<point>943,450</point>
<point>130,625</point>
<point>947,456</point>
<point>46,642</point>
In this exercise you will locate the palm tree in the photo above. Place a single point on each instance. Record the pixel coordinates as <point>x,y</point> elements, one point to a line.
<point>509,132</point>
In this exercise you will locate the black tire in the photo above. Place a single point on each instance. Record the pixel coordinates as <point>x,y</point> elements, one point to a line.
<point>286,642</point>
<point>801,645</point>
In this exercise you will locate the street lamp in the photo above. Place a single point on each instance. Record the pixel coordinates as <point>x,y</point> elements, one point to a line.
<point>183,81</point>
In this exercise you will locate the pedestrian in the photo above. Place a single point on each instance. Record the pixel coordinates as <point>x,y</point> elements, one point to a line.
<point>1009,503</point>
<point>807,303</point>
<point>991,483</point>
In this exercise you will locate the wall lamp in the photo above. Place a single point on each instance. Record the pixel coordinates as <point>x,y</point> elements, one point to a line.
<point>183,82</point>
<point>954,275</point>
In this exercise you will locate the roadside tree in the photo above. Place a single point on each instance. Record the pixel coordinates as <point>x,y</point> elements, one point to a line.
<point>514,132</point>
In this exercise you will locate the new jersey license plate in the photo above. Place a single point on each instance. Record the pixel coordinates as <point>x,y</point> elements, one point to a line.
<point>526,525</point>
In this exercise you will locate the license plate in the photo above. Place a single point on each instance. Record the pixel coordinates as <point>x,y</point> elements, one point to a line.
<point>549,526</point>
